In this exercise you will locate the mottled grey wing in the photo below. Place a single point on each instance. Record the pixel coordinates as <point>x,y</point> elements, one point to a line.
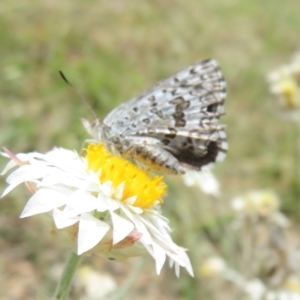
<point>181,113</point>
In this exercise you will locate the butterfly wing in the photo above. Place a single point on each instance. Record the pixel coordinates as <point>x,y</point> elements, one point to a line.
<point>181,113</point>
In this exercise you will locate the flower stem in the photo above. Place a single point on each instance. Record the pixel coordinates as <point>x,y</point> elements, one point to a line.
<point>63,287</point>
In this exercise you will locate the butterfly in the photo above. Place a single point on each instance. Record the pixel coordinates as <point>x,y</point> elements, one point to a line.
<point>173,126</point>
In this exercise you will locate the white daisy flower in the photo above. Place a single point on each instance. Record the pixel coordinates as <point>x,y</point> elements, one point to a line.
<point>262,204</point>
<point>284,84</point>
<point>102,204</point>
<point>288,92</point>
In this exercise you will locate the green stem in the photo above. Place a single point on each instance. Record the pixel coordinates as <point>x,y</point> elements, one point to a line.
<point>63,287</point>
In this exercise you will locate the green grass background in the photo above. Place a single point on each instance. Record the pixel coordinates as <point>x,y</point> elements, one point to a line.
<point>111,51</point>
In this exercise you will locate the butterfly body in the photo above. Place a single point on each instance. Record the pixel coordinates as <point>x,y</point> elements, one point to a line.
<point>173,126</point>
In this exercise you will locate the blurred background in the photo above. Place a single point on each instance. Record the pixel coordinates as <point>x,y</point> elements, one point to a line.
<point>239,237</point>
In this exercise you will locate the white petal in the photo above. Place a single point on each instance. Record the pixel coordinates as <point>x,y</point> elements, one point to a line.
<point>154,218</point>
<point>121,228</point>
<point>101,204</point>
<point>176,267</point>
<point>135,209</point>
<point>26,173</point>
<point>148,247</point>
<point>58,157</point>
<point>91,231</point>
<point>12,186</point>
<point>159,233</point>
<point>159,256</point>
<point>130,200</point>
<point>45,200</point>
<point>119,191</point>
<point>68,179</point>
<point>187,263</point>
<point>60,221</point>
<point>94,177</point>
<point>140,227</point>
<point>56,176</point>
<point>110,203</point>
<point>107,189</point>
<point>11,164</point>
<point>80,201</point>
<point>182,259</point>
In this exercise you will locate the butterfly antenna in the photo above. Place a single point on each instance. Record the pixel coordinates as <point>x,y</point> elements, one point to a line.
<point>77,93</point>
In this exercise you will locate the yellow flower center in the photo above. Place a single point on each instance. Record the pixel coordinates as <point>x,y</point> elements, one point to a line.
<point>147,189</point>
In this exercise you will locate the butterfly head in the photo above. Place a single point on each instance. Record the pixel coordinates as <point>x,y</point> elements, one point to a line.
<point>93,128</point>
